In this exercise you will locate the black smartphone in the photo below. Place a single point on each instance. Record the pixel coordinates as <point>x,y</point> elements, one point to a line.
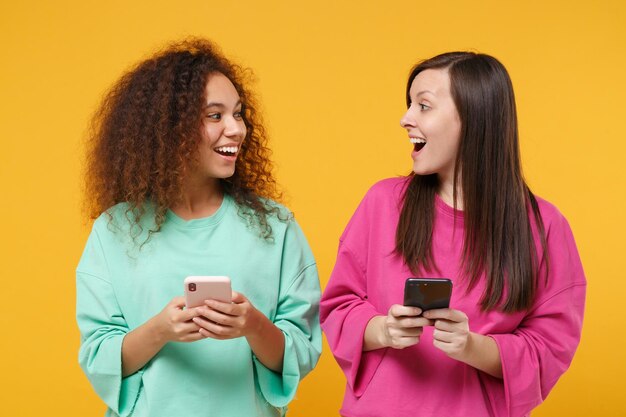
<point>427,293</point>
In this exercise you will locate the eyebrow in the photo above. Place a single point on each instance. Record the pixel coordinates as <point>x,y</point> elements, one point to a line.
<point>220,105</point>
<point>423,92</point>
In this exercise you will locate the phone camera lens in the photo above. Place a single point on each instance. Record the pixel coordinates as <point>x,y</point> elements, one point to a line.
<point>192,286</point>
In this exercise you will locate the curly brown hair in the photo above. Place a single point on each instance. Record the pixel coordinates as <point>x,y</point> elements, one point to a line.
<point>144,138</point>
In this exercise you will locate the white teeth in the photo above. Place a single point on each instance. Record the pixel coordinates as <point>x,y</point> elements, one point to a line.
<point>229,149</point>
<point>417,140</point>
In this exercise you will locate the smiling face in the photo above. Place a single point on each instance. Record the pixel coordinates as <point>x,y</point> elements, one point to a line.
<point>433,124</point>
<point>223,130</point>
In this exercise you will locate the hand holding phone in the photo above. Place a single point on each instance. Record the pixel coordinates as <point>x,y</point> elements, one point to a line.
<point>427,293</point>
<point>200,288</point>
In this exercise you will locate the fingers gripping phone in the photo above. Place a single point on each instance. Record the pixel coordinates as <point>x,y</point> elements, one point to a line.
<point>200,288</point>
<point>427,293</point>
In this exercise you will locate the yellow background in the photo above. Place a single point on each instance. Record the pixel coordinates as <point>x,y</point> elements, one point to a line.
<point>331,77</point>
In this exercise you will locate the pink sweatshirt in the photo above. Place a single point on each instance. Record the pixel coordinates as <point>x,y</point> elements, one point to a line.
<point>536,346</point>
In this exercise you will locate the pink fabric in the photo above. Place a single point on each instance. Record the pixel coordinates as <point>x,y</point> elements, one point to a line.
<point>536,346</point>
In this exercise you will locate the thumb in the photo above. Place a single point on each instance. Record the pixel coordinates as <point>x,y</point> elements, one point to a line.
<point>238,298</point>
<point>178,302</point>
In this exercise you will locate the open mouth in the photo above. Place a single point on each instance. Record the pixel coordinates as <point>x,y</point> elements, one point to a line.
<point>418,143</point>
<point>227,150</point>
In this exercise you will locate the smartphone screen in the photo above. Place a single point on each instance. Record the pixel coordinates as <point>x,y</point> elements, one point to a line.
<point>427,293</point>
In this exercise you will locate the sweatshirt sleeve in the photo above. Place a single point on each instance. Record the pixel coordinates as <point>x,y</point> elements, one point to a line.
<point>345,313</point>
<point>297,316</point>
<point>345,309</point>
<point>541,349</point>
<point>102,328</point>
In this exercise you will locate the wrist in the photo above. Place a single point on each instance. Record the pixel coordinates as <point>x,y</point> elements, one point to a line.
<point>482,353</point>
<point>468,352</point>
<point>375,336</point>
<point>258,326</point>
<point>155,332</point>
<point>383,337</point>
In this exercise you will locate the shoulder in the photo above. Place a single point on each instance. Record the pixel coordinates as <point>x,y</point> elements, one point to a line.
<point>551,216</point>
<point>279,211</point>
<point>277,216</point>
<point>102,242</point>
<point>385,195</point>
<point>121,220</point>
<point>389,187</point>
<point>563,267</point>
<point>274,210</point>
<point>287,234</point>
<point>379,208</point>
<point>114,213</point>
<point>559,238</point>
<point>111,218</point>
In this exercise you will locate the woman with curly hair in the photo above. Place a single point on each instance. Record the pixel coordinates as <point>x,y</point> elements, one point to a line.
<point>180,183</point>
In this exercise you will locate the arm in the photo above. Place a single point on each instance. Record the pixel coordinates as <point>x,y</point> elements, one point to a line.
<point>346,316</point>
<point>352,311</point>
<point>536,354</point>
<point>453,337</point>
<point>286,346</point>
<point>241,319</point>
<point>171,324</point>
<point>102,329</point>
<point>297,317</point>
<point>541,349</point>
<point>373,336</point>
<point>111,355</point>
<point>268,344</point>
<point>483,354</point>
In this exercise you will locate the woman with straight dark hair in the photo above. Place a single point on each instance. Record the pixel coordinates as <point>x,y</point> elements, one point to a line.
<point>180,183</point>
<point>466,214</point>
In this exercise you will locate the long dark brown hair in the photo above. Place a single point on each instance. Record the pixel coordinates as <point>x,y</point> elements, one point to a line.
<point>144,138</point>
<point>498,239</point>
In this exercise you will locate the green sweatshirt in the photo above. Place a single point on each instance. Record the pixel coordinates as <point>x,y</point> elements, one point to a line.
<point>121,284</point>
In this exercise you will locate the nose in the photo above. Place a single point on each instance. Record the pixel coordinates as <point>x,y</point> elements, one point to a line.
<point>235,128</point>
<point>407,121</point>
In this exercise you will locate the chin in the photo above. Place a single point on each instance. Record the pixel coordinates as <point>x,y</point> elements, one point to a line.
<point>418,170</point>
<point>225,174</point>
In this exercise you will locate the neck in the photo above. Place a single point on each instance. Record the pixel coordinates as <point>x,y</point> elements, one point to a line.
<point>446,193</point>
<point>199,200</point>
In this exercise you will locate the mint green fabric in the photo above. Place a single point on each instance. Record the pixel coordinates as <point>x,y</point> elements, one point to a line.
<point>122,283</point>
